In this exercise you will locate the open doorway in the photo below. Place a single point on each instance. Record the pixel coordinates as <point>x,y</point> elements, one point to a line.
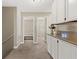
<point>34,28</point>
<point>28,28</point>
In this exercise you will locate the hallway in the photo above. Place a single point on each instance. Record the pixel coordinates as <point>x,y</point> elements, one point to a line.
<point>30,51</point>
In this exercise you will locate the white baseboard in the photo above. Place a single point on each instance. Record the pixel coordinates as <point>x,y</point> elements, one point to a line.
<point>15,47</point>
<point>22,43</point>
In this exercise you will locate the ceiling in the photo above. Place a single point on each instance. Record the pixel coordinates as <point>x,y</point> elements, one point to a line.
<point>29,5</point>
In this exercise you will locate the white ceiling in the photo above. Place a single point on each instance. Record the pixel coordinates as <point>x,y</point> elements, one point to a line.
<point>29,5</point>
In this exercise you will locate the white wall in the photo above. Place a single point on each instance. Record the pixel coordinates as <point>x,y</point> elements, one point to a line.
<point>29,5</point>
<point>9,3</point>
<point>19,35</point>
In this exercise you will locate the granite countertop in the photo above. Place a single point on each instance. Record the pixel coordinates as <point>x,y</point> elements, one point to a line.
<point>70,39</point>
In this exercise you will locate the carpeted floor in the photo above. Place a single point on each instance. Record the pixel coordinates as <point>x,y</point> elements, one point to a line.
<point>30,51</point>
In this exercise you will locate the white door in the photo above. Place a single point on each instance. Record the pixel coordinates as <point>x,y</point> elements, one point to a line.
<point>41,29</point>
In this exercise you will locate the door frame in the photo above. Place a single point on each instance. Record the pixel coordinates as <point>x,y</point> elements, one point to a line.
<point>24,17</point>
<point>34,27</point>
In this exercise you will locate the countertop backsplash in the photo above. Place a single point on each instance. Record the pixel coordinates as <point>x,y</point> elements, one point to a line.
<point>70,27</point>
<point>68,31</point>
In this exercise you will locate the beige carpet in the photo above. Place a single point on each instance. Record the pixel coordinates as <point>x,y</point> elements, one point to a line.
<point>30,51</point>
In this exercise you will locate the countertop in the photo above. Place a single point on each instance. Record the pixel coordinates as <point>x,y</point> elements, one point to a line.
<point>72,38</point>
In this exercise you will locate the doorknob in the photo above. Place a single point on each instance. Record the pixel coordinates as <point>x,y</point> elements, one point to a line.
<point>57,41</point>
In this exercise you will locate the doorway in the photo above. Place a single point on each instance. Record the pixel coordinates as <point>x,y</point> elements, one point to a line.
<point>34,28</point>
<point>28,28</point>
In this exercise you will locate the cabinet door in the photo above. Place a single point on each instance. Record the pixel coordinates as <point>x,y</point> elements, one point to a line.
<point>54,47</point>
<point>54,12</point>
<point>60,11</point>
<point>67,50</point>
<point>49,44</point>
<point>71,12</point>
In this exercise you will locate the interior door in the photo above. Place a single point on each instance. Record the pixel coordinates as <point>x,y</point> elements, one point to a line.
<point>41,29</point>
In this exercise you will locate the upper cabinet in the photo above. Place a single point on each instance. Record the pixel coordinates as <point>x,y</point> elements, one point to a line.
<point>66,10</point>
<point>71,10</point>
<point>60,11</point>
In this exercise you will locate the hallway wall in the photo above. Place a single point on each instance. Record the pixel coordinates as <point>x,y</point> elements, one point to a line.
<point>8,17</point>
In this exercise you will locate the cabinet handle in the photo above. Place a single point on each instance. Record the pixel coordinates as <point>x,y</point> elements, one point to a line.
<point>65,19</point>
<point>57,41</point>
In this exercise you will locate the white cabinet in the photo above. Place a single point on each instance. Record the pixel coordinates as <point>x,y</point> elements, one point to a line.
<point>60,49</point>
<point>60,11</point>
<point>54,13</point>
<point>66,10</point>
<point>49,44</point>
<point>71,10</point>
<point>54,47</point>
<point>67,50</point>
